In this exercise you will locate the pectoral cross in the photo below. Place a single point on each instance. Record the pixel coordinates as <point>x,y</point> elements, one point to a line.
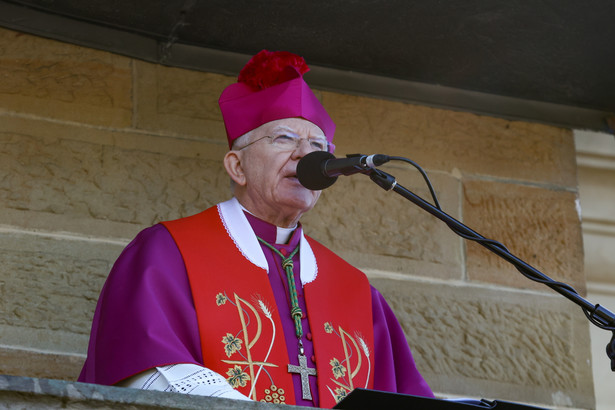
<point>304,371</point>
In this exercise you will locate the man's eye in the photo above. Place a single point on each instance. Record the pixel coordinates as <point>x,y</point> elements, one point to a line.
<point>283,139</point>
<point>318,144</point>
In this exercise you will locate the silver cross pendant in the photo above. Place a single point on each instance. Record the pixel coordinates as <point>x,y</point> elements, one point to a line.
<point>305,372</point>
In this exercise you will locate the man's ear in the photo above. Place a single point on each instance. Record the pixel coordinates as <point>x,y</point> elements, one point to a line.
<point>232,164</point>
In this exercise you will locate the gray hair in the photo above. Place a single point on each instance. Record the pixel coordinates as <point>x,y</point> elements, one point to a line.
<point>242,141</point>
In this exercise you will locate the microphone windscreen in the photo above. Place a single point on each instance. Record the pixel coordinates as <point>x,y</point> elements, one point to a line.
<point>309,171</point>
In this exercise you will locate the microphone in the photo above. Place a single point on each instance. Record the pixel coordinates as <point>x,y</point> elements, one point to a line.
<point>320,169</point>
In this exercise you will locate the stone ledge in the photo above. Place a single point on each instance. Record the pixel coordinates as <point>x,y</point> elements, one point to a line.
<point>25,392</point>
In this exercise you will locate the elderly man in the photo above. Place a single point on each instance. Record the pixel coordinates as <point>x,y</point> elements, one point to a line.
<point>236,301</point>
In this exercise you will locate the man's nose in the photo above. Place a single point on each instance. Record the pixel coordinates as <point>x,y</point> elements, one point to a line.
<point>303,148</point>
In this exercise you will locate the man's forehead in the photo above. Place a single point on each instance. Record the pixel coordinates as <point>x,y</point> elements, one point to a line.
<point>297,126</point>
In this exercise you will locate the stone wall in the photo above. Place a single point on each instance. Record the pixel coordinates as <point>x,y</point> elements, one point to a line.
<point>95,147</point>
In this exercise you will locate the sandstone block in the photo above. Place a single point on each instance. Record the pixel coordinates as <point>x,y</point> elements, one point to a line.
<point>495,344</point>
<point>444,140</point>
<point>17,362</point>
<point>180,101</point>
<point>537,225</point>
<point>62,81</point>
<point>129,182</point>
<point>599,242</point>
<point>597,188</point>
<point>49,288</point>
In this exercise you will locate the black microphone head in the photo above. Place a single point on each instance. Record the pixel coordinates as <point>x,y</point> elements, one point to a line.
<point>309,171</point>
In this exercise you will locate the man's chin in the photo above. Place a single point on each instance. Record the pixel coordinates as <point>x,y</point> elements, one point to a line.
<point>301,201</point>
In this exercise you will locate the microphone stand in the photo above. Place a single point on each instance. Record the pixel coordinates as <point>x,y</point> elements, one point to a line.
<point>596,314</point>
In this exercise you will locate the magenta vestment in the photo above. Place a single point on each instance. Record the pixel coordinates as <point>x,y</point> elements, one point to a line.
<point>145,318</point>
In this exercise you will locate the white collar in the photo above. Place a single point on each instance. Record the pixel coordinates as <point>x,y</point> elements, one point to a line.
<point>240,231</point>
<point>282,235</point>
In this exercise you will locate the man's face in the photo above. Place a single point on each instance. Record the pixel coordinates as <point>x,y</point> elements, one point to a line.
<point>271,185</point>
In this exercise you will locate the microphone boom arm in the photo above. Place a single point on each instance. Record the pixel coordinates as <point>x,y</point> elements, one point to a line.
<point>597,314</point>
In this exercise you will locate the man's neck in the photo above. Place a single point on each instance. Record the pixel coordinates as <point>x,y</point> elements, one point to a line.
<point>268,231</point>
<point>277,217</point>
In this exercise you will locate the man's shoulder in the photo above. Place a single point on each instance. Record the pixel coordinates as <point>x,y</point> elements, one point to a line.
<point>192,219</point>
<point>161,231</point>
<point>151,235</point>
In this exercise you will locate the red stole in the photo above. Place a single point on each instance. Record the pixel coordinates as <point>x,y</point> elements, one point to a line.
<point>240,328</point>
